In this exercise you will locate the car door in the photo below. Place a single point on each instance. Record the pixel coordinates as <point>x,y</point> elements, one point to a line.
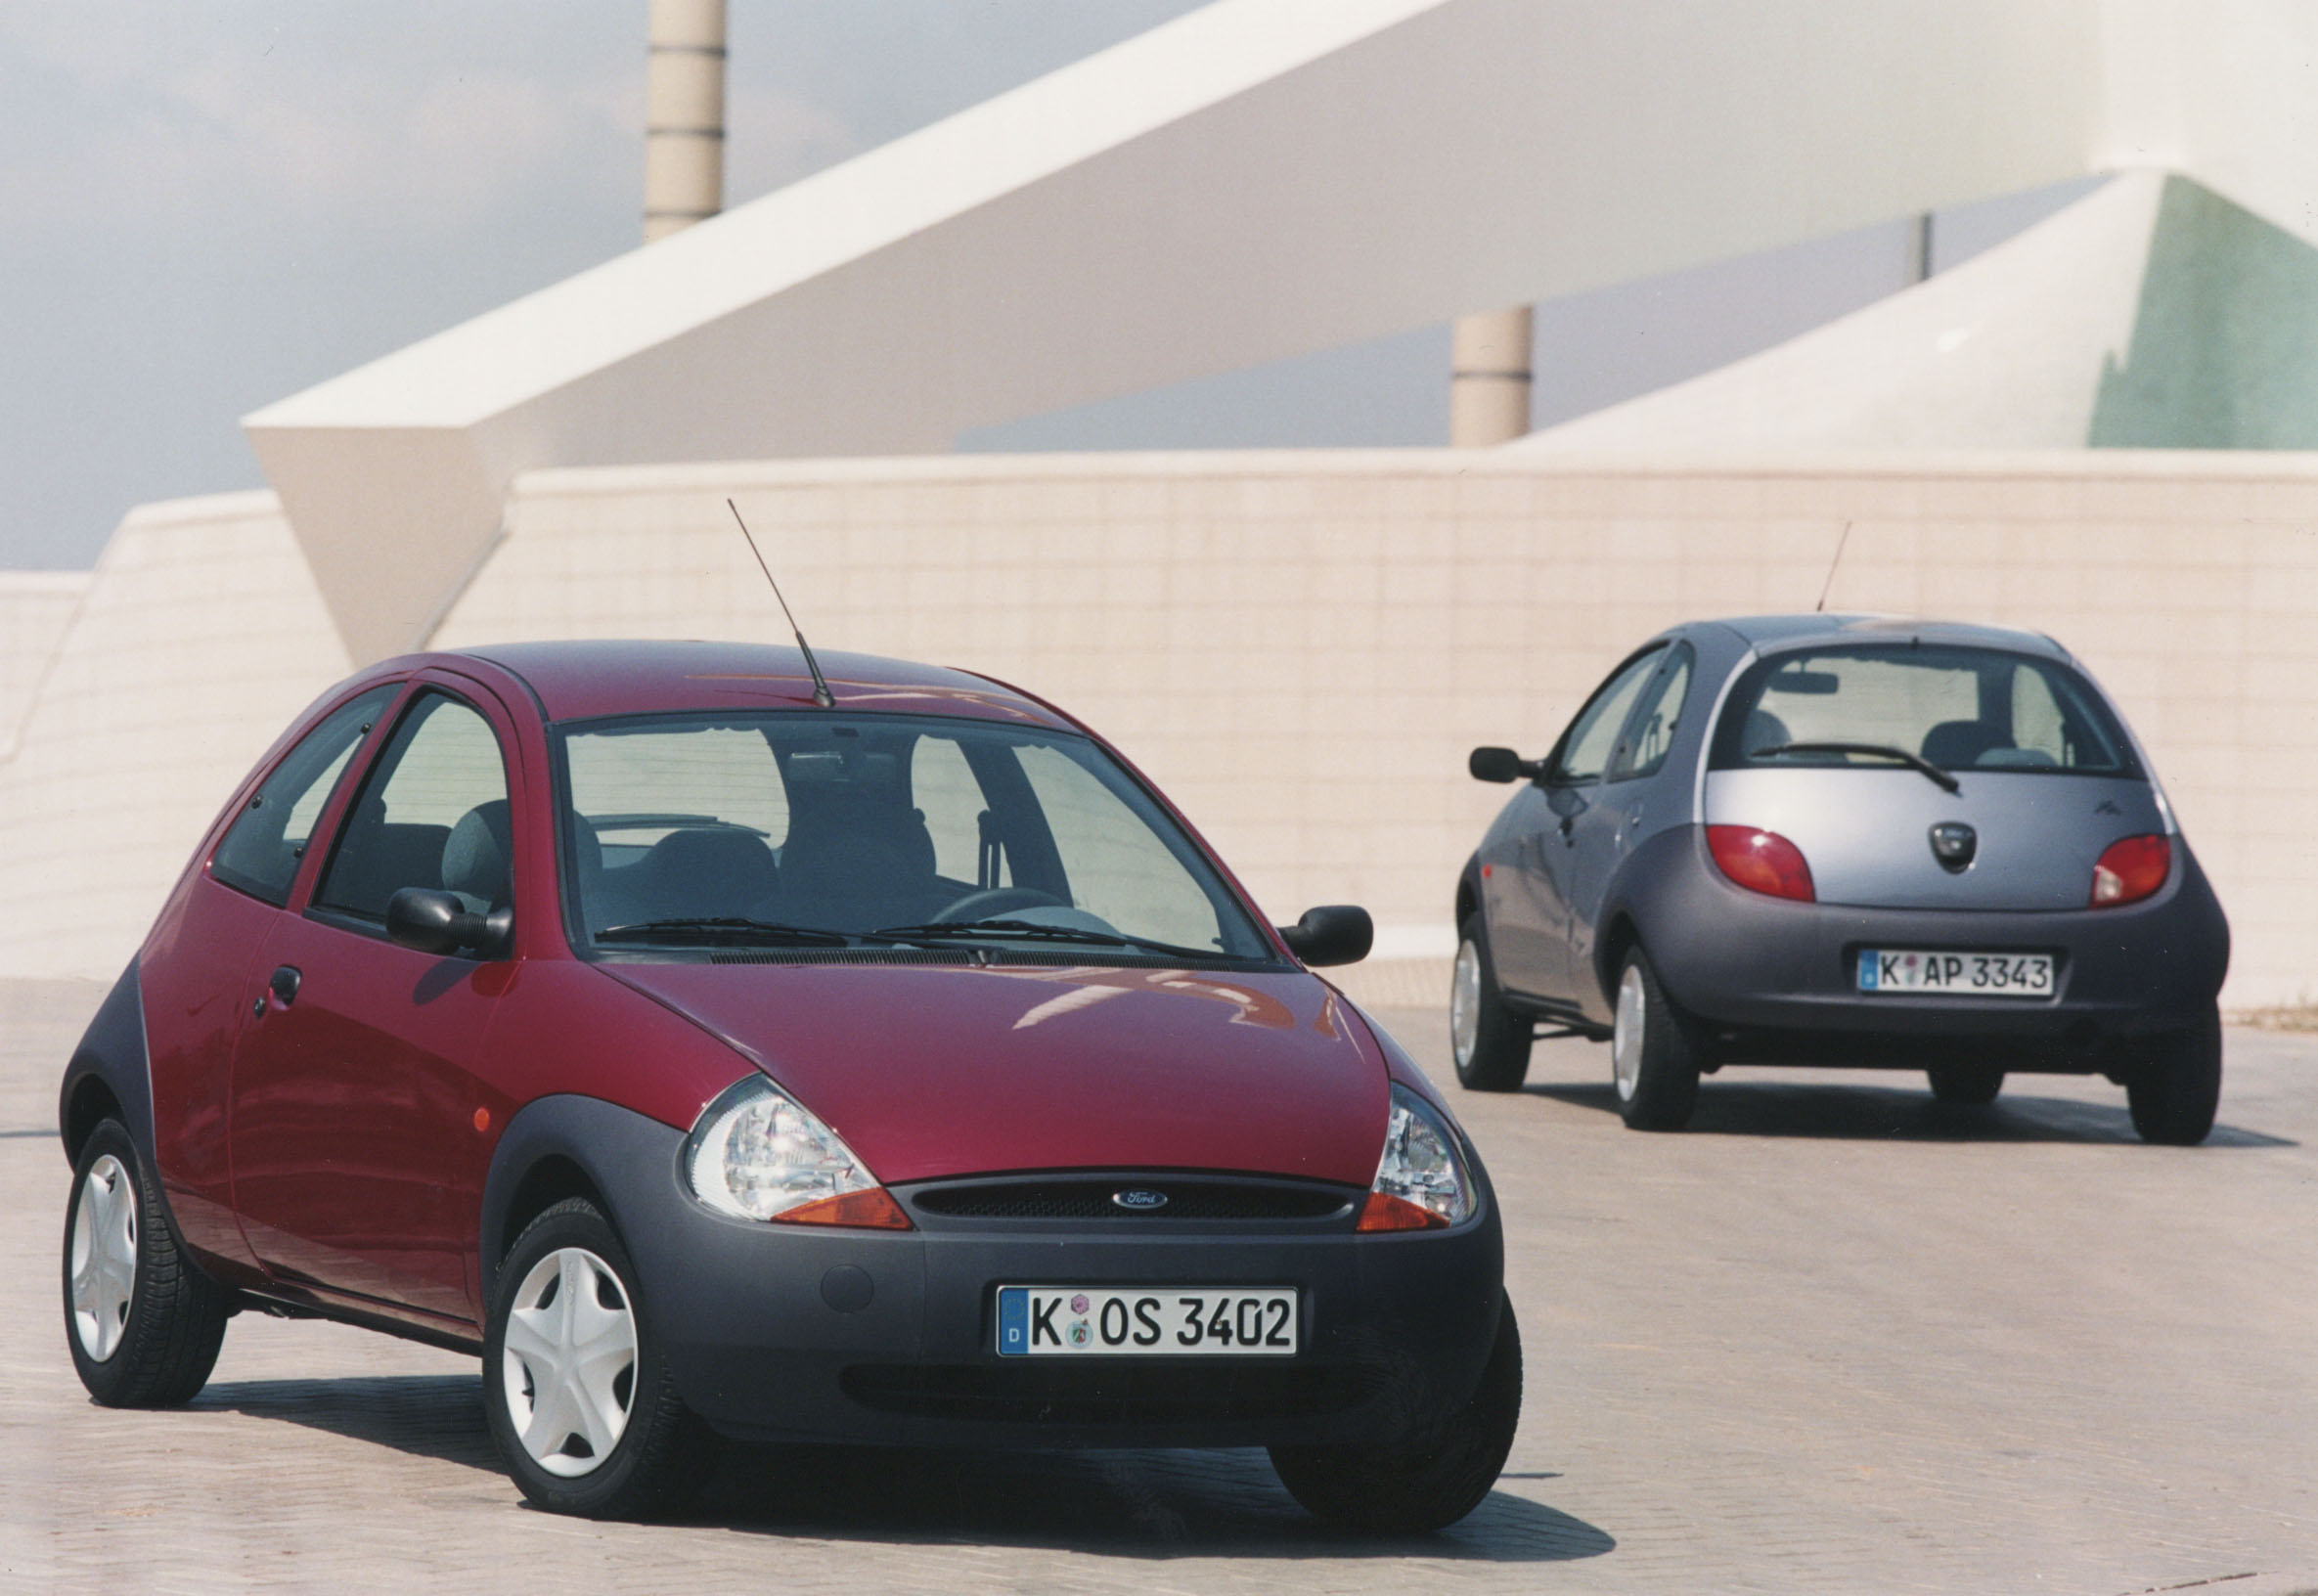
<point>1624,804</point>
<point>1535,899</point>
<point>358,1152</point>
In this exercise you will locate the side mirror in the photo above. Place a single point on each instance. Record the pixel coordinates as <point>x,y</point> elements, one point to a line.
<point>436,922</point>
<point>1500,765</point>
<point>1336,934</point>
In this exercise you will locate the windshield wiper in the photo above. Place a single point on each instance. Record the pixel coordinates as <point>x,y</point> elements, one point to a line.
<point>1876,750</point>
<point>1029,931</point>
<point>725,928</point>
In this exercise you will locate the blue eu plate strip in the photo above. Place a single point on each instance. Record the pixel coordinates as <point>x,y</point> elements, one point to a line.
<point>1867,970</point>
<point>1013,1323</point>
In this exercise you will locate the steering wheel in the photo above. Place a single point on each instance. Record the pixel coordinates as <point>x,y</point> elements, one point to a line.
<point>996,902</point>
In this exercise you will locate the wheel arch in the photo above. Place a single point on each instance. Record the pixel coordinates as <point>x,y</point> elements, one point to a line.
<point>1468,890</point>
<point>558,1147</point>
<point>110,1074</point>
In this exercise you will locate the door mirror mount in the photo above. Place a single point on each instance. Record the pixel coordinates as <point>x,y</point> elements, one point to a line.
<point>1501,765</point>
<point>437,922</point>
<point>1333,933</point>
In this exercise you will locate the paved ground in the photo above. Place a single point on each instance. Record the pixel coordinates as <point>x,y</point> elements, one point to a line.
<point>1832,1340</point>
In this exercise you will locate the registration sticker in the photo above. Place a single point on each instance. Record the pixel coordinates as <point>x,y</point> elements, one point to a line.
<point>1962,975</point>
<point>1065,1321</point>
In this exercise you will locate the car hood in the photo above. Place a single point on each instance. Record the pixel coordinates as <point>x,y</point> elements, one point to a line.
<point>943,1070</point>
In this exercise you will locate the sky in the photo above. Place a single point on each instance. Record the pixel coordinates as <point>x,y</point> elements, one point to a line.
<point>212,205</point>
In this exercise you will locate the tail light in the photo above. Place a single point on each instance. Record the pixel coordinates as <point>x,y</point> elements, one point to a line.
<point>1761,861</point>
<point>2130,869</point>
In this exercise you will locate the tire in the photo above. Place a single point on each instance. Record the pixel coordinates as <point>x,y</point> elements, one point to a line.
<point>2176,1087</point>
<point>1415,1484</point>
<point>617,1442</point>
<point>142,1321</point>
<point>1966,1085</point>
<point>1654,1051</point>
<point>1488,1042</point>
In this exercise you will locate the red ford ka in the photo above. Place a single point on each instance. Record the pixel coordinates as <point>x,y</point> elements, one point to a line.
<point>717,1050</point>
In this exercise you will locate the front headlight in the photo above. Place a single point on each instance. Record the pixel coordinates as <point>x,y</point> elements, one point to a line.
<point>757,1154</point>
<point>1421,1181</point>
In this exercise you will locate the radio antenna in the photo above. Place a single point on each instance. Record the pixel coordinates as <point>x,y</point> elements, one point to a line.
<point>1819,608</point>
<point>821,684</point>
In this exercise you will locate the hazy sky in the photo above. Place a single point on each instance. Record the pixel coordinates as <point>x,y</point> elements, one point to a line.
<point>211,205</point>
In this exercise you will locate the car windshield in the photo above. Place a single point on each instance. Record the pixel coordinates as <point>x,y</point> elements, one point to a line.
<point>861,832</point>
<point>1899,705</point>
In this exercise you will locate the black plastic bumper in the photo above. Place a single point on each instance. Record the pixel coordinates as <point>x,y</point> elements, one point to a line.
<point>1782,975</point>
<point>764,1343</point>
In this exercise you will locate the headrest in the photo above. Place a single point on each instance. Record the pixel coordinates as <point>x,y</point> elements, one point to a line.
<point>1763,730</point>
<point>1958,744</point>
<point>732,863</point>
<point>477,855</point>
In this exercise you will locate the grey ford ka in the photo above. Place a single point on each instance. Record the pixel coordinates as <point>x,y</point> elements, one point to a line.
<point>1849,841</point>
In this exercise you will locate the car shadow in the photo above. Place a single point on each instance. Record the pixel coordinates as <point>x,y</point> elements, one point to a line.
<point>1146,1503</point>
<point>1855,1110</point>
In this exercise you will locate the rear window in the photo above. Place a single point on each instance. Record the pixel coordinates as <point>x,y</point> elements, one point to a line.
<point>1960,709</point>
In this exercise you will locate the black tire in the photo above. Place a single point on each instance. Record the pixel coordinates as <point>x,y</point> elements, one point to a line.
<point>1415,1484</point>
<point>1496,1056</point>
<point>1657,1091</point>
<point>658,1461</point>
<point>173,1321</point>
<point>1966,1085</point>
<point>2176,1087</point>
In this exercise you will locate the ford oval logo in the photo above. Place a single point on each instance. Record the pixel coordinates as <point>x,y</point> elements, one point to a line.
<point>1139,1199</point>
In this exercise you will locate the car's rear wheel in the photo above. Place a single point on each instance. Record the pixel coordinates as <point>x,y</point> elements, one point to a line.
<point>1413,1485</point>
<point>1654,1051</point>
<point>2175,1087</point>
<point>1968,1085</point>
<point>1488,1042</point>
<point>578,1396</point>
<point>143,1324</point>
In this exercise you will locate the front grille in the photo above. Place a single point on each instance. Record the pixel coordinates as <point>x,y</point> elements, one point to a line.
<point>1091,1199</point>
<point>1122,1392</point>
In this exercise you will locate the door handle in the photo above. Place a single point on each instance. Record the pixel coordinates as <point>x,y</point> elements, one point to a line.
<point>1568,821</point>
<point>284,984</point>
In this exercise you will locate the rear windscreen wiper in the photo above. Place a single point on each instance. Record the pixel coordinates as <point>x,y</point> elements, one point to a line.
<point>1874,750</point>
<point>1026,930</point>
<point>725,928</point>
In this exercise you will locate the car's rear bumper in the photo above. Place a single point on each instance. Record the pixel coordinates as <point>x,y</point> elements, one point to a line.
<point>1395,1327</point>
<point>1782,976</point>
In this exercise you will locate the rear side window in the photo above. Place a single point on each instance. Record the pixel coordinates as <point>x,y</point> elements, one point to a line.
<point>432,814</point>
<point>1660,715</point>
<point>262,849</point>
<point>1958,708</point>
<point>1586,747</point>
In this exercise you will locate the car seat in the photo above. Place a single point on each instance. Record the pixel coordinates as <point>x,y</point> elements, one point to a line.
<point>1959,744</point>
<point>708,873</point>
<point>476,858</point>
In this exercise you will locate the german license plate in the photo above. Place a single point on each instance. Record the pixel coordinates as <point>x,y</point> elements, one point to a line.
<point>1964,975</point>
<point>1105,1321</point>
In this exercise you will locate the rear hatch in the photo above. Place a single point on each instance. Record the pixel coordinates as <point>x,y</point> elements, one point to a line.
<point>1849,750</point>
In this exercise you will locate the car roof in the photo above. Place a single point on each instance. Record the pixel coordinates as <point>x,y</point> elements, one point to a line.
<point>1776,632</point>
<point>584,680</point>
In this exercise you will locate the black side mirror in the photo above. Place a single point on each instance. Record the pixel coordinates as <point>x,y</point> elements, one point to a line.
<point>436,922</point>
<point>1336,934</point>
<point>1501,765</point>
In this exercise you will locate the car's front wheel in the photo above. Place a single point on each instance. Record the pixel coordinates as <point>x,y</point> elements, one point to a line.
<point>576,1391</point>
<point>1488,1042</point>
<point>1968,1085</point>
<point>1413,1485</point>
<point>143,1322</point>
<point>2175,1087</point>
<point>1655,1052</point>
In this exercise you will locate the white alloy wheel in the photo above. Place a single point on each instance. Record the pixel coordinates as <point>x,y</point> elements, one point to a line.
<point>104,1258</point>
<point>1464,1003</point>
<point>570,1361</point>
<point>1625,1035</point>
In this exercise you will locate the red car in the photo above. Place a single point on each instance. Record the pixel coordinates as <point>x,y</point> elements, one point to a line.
<point>717,1051</point>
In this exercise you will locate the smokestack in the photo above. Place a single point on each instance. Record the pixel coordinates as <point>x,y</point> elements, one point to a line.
<point>684,117</point>
<point>1488,380</point>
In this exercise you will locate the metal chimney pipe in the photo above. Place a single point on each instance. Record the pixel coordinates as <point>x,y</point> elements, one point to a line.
<point>684,117</point>
<point>1488,380</point>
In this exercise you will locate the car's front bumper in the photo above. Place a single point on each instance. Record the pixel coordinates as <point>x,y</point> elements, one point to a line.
<point>1781,977</point>
<point>764,1343</point>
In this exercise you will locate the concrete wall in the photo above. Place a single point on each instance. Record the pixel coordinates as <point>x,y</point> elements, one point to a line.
<point>35,608</point>
<point>1299,646</point>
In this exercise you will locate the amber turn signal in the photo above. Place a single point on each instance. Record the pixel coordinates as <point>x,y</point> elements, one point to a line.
<point>1385,1211</point>
<point>870,1210</point>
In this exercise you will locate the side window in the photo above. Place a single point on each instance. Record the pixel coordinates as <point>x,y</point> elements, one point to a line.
<point>1644,750</point>
<point>1587,745</point>
<point>262,849</point>
<point>432,814</point>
